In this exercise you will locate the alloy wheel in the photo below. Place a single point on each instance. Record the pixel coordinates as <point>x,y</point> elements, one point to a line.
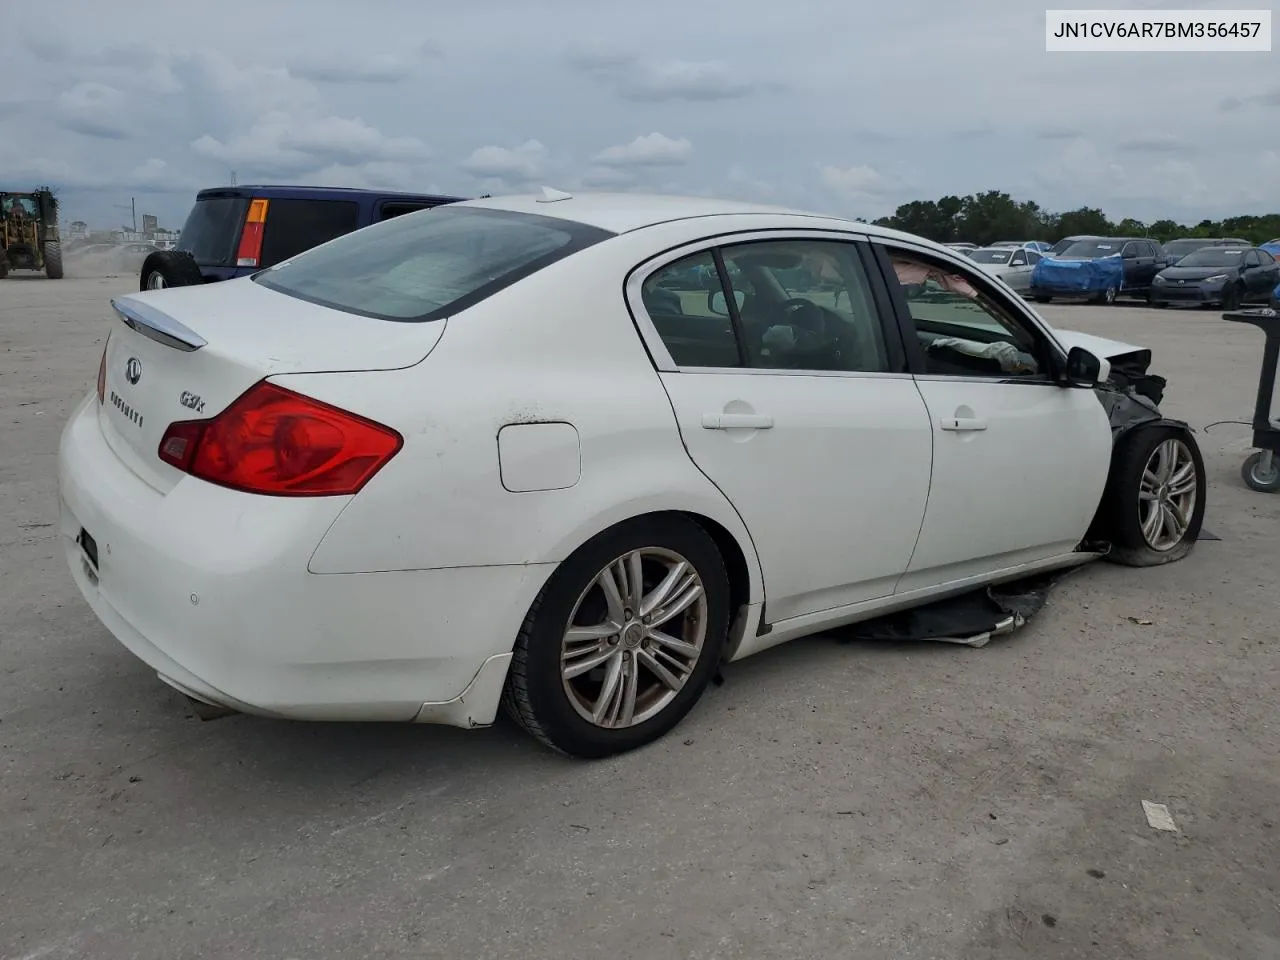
<point>1167,495</point>
<point>635,637</point>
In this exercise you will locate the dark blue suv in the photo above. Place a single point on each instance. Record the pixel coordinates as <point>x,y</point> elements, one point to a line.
<point>235,231</point>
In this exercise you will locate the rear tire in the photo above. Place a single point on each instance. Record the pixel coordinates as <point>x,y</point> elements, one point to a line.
<point>4,265</point>
<point>1041,298</point>
<point>53,260</point>
<point>1154,502</point>
<point>169,268</point>
<point>554,703</point>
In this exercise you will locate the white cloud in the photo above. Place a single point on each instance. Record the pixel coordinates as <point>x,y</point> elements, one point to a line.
<point>345,68</point>
<point>853,183</point>
<point>650,150</point>
<point>509,166</point>
<point>288,141</point>
<point>685,80</point>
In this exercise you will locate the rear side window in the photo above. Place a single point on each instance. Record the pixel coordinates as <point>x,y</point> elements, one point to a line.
<point>297,225</point>
<point>424,268</point>
<point>212,231</point>
<point>389,210</point>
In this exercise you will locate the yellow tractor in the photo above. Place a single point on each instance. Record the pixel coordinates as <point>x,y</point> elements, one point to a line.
<point>29,233</point>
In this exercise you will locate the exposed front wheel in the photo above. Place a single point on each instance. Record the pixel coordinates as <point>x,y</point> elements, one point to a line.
<point>53,260</point>
<point>1260,476</point>
<point>1153,507</point>
<point>623,639</point>
<point>1232,296</point>
<point>1107,296</point>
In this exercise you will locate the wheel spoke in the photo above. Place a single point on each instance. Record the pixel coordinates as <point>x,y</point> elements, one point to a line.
<point>1151,524</point>
<point>659,594</point>
<point>1168,453</point>
<point>629,692</point>
<point>1177,518</point>
<point>672,681</point>
<point>613,594</point>
<point>578,662</point>
<point>670,643</point>
<point>689,592</point>
<point>1183,481</point>
<point>610,690</point>
<point>588,634</point>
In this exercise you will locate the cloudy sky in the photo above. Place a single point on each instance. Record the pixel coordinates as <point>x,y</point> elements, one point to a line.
<point>841,105</point>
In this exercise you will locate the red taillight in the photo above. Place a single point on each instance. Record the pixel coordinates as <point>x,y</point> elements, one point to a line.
<point>250,249</point>
<point>276,442</point>
<point>102,376</point>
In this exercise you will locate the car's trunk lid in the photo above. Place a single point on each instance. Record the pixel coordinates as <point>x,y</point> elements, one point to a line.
<point>186,353</point>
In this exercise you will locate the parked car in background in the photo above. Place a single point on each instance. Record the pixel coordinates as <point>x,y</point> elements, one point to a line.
<point>962,247</point>
<point>1223,275</point>
<point>1271,246</point>
<point>235,231</point>
<point>1013,265</point>
<point>297,495</point>
<point>1175,250</point>
<point>1039,246</point>
<point>1117,266</point>
<point>1065,242</point>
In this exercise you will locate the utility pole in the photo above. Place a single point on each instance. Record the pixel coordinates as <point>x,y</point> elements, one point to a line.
<point>133,210</point>
<point>233,178</point>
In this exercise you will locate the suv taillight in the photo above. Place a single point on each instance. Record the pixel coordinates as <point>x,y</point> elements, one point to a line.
<point>250,249</point>
<point>279,443</point>
<point>102,375</point>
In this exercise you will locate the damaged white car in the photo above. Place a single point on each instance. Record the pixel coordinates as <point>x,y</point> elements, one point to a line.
<point>570,454</point>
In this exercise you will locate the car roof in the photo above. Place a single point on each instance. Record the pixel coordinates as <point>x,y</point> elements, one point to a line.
<point>625,212</point>
<point>283,191</point>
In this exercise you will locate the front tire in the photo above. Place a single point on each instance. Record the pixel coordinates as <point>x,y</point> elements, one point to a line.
<point>1232,297</point>
<point>623,639</point>
<point>1107,296</point>
<point>53,260</point>
<point>1154,503</point>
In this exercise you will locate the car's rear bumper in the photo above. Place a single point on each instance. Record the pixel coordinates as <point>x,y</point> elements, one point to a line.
<point>210,588</point>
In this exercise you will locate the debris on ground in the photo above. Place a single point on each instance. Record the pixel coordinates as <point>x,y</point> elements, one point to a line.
<point>972,618</point>
<point>1158,816</point>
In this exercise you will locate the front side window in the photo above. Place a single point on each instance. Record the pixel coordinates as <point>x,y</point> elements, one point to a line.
<point>424,268</point>
<point>805,305</point>
<point>963,328</point>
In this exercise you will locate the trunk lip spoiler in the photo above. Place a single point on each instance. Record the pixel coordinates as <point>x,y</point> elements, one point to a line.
<point>157,325</point>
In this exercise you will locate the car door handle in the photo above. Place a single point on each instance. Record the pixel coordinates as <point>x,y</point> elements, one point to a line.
<point>736,421</point>
<point>962,424</point>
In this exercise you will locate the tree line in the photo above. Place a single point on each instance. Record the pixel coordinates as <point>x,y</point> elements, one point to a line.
<point>993,216</point>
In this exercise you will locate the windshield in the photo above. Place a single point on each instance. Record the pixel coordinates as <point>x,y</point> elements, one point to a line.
<point>991,255</point>
<point>428,264</point>
<point>1092,249</point>
<point>212,231</point>
<point>1065,242</point>
<point>1213,257</point>
<point>1183,247</point>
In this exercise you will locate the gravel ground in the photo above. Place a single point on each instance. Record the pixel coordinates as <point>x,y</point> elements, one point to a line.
<point>912,801</point>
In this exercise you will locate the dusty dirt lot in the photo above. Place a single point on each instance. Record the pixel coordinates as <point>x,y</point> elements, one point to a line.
<point>916,801</point>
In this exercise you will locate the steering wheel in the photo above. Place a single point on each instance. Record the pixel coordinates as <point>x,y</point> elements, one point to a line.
<point>805,314</point>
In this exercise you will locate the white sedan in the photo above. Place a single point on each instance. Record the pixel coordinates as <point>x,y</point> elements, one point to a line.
<point>568,454</point>
<point>1013,265</point>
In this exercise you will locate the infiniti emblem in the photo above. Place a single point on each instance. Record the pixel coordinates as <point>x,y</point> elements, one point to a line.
<point>133,370</point>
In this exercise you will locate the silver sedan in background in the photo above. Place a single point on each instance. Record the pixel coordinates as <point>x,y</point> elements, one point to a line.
<point>1011,264</point>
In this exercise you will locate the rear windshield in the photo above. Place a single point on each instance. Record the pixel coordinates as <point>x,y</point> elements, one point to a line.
<point>992,255</point>
<point>212,231</point>
<point>428,264</point>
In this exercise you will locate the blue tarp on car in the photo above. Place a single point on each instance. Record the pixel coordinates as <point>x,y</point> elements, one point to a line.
<point>1078,276</point>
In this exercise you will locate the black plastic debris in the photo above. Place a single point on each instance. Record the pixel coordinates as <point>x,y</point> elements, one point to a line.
<point>971,618</point>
